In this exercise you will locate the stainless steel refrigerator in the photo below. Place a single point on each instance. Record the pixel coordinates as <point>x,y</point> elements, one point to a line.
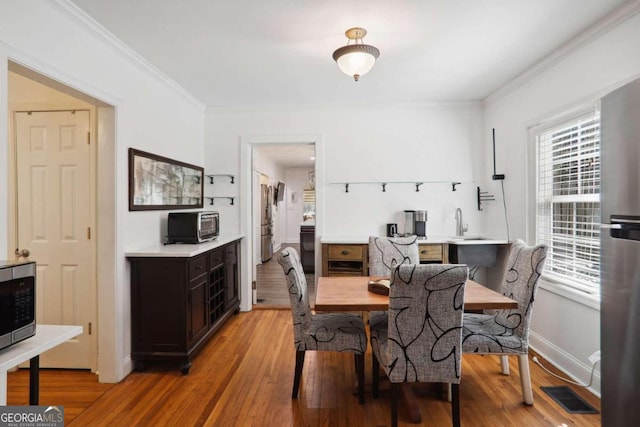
<point>266,222</point>
<point>620,256</point>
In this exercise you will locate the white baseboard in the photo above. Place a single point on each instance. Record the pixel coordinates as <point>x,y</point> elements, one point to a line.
<point>567,363</point>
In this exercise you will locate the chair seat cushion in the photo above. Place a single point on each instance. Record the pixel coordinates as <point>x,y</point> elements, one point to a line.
<point>343,332</point>
<point>378,319</point>
<point>481,333</point>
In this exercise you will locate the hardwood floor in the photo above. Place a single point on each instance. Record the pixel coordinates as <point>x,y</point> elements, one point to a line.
<point>243,377</point>
<point>271,286</point>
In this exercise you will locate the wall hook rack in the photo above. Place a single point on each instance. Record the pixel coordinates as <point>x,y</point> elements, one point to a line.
<point>484,196</point>
<point>211,199</point>
<point>231,177</point>
<point>384,184</point>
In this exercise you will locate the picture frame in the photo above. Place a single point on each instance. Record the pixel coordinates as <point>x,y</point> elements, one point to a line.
<point>160,183</point>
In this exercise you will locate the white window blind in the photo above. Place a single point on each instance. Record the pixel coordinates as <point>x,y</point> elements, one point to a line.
<point>568,202</point>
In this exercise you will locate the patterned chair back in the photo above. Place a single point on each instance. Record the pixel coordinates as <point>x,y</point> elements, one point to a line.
<point>385,253</point>
<point>524,268</point>
<point>289,259</point>
<point>425,323</point>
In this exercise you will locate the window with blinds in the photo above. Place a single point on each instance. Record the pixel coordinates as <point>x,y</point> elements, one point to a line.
<point>568,202</point>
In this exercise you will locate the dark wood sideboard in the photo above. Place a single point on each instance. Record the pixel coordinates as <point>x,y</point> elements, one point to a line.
<point>178,303</point>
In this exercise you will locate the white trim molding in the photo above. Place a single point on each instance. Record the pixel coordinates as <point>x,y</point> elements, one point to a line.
<point>572,367</point>
<point>247,143</point>
<point>592,301</point>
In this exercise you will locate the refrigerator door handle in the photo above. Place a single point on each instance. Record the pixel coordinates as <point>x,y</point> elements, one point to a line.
<point>627,221</point>
<point>626,227</point>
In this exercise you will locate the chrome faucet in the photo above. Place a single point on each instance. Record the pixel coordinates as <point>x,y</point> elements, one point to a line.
<point>460,228</point>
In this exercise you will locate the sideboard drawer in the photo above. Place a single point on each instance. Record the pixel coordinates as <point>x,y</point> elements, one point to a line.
<point>341,259</point>
<point>432,252</point>
<point>348,252</point>
<point>197,267</point>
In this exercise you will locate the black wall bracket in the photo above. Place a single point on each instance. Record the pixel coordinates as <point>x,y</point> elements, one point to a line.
<point>211,199</point>
<point>231,177</point>
<point>484,196</point>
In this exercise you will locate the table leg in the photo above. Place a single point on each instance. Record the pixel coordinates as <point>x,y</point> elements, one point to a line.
<point>34,380</point>
<point>3,388</point>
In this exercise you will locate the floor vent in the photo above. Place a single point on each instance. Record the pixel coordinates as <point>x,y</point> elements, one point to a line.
<point>570,402</point>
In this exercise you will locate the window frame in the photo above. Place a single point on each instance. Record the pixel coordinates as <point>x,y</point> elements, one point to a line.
<point>557,284</point>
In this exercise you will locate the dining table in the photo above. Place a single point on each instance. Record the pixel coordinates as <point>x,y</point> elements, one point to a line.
<point>351,293</point>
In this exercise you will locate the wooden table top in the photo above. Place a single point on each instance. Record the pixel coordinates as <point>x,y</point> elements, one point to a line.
<point>351,294</point>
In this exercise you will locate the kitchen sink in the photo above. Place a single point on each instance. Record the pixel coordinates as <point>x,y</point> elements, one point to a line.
<point>466,238</point>
<point>474,251</point>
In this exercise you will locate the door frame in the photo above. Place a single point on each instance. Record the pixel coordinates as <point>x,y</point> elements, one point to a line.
<point>246,212</point>
<point>110,330</point>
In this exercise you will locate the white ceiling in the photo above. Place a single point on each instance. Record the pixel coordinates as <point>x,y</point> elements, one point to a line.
<point>272,52</point>
<point>230,53</point>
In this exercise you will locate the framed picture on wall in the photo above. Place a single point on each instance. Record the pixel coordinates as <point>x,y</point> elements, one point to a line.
<point>157,182</point>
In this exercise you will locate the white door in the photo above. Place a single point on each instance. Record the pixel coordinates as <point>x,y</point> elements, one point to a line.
<point>54,216</point>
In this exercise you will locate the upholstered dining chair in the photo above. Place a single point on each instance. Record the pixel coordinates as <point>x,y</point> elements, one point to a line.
<point>341,332</point>
<point>385,253</point>
<point>421,340</point>
<point>506,332</point>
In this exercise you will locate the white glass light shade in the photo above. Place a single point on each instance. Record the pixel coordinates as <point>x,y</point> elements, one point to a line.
<point>356,60</point>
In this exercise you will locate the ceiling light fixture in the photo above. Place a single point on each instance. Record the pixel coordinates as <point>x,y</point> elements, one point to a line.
<point>358,58</point>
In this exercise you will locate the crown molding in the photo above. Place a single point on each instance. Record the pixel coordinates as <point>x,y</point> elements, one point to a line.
<point>597,30</point>
<point>66,7</point>
<point>346,106</point>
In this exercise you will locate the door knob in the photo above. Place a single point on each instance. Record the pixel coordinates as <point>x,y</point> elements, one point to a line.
<point>24,253</point>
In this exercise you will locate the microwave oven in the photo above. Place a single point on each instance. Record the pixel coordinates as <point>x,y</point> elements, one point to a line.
<point>17,301</point>
<point>192,227</point>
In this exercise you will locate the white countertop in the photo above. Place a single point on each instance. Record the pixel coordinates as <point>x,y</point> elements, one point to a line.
<point>309,222</point>
<point>470,240</point>
<point>46,337</point>
<point>182,250</point>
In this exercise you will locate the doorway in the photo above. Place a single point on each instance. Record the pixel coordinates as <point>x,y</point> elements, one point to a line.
<point>29,90</point>
<point>288,162</point>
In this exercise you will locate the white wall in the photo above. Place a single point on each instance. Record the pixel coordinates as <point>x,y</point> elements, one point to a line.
<point>565,331</point>
<point>409,143</point>
<point>152,114</point>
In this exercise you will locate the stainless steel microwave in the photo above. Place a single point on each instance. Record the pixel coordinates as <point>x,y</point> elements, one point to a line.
<point>192,227</point>
<point>17,301</point>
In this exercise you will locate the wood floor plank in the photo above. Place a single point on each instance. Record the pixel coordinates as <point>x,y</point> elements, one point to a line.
<point>271,285</point>
<point>244,375</point>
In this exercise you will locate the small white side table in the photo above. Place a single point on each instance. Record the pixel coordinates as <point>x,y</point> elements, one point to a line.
<point>46,337</point>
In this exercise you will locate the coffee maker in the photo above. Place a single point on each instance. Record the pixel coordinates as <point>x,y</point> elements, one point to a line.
<point>415,222</point>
